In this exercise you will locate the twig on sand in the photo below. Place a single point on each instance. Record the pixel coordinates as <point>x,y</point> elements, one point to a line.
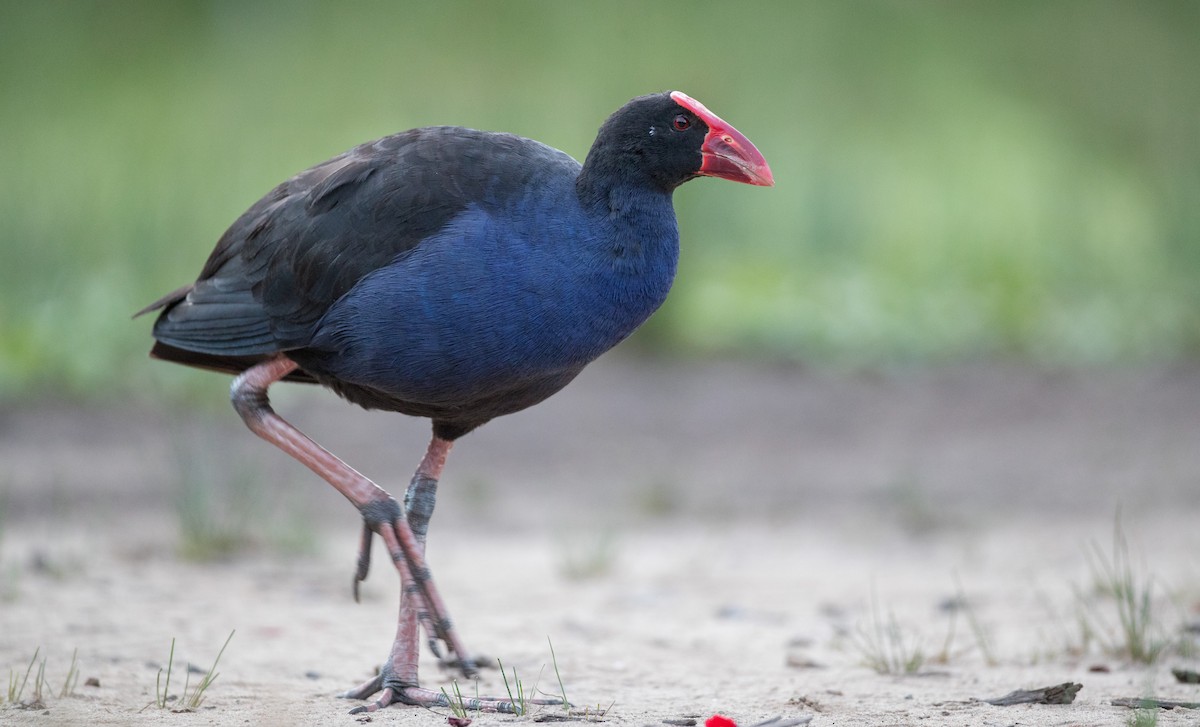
<point>1058,694</point>
<point>1147,702</point>
<point>779,721</point>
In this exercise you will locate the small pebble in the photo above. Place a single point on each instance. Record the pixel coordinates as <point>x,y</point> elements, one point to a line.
<point>803,662</point>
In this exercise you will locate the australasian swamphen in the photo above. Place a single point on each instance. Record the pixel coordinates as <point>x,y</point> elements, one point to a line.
<point>447,273</point>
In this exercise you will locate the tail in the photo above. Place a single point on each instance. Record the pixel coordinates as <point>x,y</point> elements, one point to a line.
<point>223,363</point>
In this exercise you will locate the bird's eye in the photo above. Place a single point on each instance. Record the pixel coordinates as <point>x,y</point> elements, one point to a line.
<point>681,123</point>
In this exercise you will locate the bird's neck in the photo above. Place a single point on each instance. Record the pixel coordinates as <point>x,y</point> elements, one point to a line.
<point>636,213</point>
<point>634,255</point>
<point>643,237</point>
<point>608,172</point>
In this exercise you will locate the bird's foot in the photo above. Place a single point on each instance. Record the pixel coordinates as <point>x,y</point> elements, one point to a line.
<point>393,690</point>
<point>419,596</point>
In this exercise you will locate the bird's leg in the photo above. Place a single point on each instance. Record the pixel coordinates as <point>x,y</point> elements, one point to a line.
<point>421,495</point>
<point>382,515</point>
<point>397,680</point>
<point>380,511</point>
<point>419,500</point>
<point>399,674</point>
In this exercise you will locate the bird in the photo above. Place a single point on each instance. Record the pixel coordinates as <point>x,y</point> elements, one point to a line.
<point>451,274</point>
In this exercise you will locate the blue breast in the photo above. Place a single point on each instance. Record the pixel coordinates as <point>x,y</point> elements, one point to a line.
<point>503,301</point>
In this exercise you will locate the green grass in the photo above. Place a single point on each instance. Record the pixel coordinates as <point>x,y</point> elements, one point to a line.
<point>213,527</point>
<point>192,697</point>
<point>162,695</point>
<point>1004,179</point>
<point>587,556</point>
<point>566,703</point>
<point>520,698</point>
<point>18,681</point>
<point>979,632</point>
<point>886,646</point>
<point>39,687</point>
<point>228,506</point>
<point>72,678</point>
<point>1144,717</point>
<point>458,705</point>
<point>38,699</point>
<point>1137,631</point>
<point>961,605</point>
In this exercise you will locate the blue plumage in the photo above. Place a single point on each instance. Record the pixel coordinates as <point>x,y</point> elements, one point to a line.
<point>495,300</point>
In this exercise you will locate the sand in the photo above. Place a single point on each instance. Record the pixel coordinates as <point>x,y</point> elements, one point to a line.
<point>694,539</point>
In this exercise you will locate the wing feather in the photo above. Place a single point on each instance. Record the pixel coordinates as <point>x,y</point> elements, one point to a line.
<point>296,251</point>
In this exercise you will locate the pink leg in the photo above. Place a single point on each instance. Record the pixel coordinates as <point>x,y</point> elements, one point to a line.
<point>403,535</point>
<point>398,679</point>
<point>381,512</point>
<point>400,671</point>
<point>419,501</point>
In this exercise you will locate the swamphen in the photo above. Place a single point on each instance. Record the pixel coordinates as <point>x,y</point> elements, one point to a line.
<point>445,273</point>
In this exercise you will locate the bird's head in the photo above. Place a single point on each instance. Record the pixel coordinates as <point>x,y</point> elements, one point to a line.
<point>671,138</point>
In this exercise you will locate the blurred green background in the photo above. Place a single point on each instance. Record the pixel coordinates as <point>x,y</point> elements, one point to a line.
<point>954,180</point>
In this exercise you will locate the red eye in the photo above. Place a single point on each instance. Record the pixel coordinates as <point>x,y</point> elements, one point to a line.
<point>681,123</point>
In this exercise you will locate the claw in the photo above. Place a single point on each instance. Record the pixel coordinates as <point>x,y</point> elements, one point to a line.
<point>469,667</point>
<point>364,558</point>
<point>364,690</point>
<point>435,644</point>
<point>384,700</point>
<point>474,664</point>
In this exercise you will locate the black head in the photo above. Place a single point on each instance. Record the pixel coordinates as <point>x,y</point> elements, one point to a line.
<point>665,139</point>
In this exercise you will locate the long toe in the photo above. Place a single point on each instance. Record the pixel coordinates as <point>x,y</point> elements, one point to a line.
<point>364,690</point>
<point>428,698</point>
<point>419,696</point>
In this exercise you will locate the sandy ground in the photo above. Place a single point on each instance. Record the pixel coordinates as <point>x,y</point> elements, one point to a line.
<point>694,539</point>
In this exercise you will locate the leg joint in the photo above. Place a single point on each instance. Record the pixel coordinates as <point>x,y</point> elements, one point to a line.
<point>249,399</point>
<point>381,512</point>
<point>249,390</point>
